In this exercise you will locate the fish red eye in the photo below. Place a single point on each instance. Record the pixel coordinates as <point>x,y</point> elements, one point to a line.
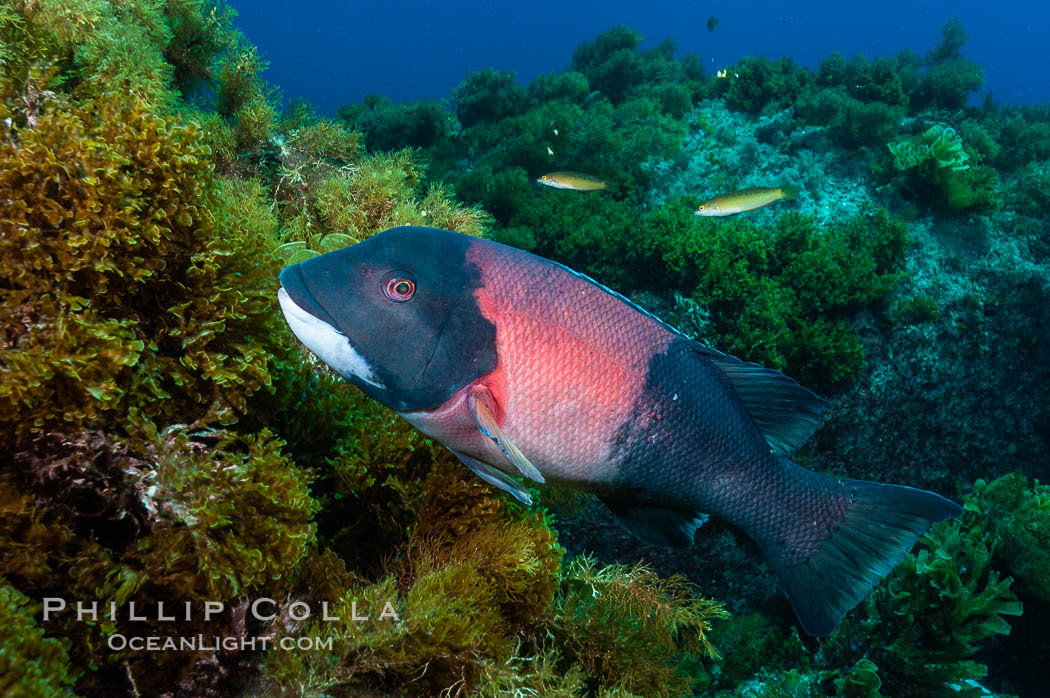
<point>399,286</point>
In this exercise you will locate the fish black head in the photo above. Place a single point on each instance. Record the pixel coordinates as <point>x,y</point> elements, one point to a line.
<point>395,314</point>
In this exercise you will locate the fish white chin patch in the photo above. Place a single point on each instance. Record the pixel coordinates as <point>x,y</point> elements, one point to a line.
<point>329,344</point>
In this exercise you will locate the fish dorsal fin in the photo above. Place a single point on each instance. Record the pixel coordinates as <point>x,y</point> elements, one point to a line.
<point>483,406</point>
<point>496,477</point>
<point>786,413</point>
<point>655,525</point>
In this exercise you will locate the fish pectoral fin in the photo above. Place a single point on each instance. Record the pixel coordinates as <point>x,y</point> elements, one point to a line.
<point>483,407</point>
<point>656,525</point>
<point>496,477</point>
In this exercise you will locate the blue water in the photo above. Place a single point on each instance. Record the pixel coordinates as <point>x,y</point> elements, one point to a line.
<point>335,52</point>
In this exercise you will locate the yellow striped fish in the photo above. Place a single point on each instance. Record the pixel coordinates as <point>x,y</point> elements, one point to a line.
<point>745,200</point>
<point>572,180</point>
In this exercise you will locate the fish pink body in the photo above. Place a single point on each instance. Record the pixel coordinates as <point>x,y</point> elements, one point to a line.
<point>564,383</point>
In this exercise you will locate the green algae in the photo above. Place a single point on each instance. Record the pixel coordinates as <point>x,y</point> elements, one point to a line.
<point>30,663</point>
<point>939,159</point>
<point>633,630</point>
<point>1018,515</point>
<point>940,144</point>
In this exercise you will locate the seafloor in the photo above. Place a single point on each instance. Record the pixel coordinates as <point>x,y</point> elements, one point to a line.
<point>193,506</point>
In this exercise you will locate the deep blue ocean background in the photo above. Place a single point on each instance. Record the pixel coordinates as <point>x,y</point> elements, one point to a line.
<point>334,53</point>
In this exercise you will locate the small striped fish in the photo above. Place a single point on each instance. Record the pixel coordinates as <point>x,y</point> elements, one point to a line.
<point>576,181</point>
<point>745,200</point>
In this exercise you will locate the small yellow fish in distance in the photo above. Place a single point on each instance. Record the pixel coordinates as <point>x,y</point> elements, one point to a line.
<point>745,200</point>
<point>572,180</point>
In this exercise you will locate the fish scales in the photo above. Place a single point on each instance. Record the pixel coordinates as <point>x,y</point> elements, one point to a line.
<point>579,342</point>
<point>593,367</point>
<point>523,367</point>
<point>637,417</point>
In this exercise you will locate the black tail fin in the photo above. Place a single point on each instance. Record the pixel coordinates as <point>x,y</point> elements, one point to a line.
<point>881,524</point>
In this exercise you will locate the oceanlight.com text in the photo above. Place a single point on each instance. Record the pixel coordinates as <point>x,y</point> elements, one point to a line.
<point>199,643</point>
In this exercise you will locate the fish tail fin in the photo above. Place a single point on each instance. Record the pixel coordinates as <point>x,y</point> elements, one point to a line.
<point>789,191</point>
<point>879,525</point>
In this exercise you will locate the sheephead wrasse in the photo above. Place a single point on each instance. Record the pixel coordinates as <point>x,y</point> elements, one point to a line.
<point>527,369</point>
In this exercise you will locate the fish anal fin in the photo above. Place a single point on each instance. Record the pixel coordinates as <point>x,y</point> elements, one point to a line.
<point>785,413</point>
<point>484,409</point>
<point>496,477</point>
<point>668,528</point>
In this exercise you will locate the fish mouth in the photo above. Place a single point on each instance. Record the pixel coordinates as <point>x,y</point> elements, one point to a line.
<point>316,329</point>
<point>293,285</point>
